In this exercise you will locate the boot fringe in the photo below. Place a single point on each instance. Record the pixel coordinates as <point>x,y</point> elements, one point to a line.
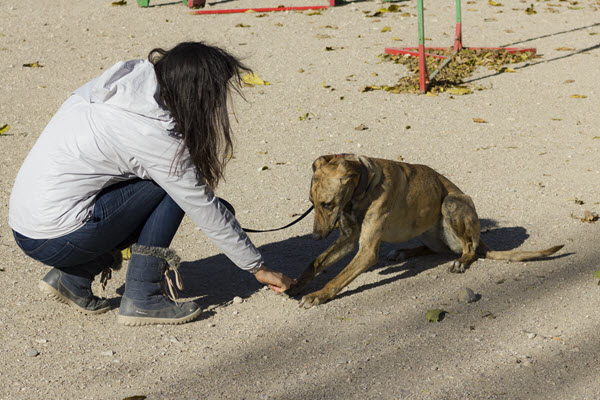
<point>173,262</point>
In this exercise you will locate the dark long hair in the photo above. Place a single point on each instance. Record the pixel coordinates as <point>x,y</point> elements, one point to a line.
<point>195,81</point>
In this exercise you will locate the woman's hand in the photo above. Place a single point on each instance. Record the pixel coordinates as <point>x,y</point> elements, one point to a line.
<point>277,281</point>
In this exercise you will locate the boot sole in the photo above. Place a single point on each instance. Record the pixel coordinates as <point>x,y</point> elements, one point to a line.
<point>141,321</point>
<point>56,295</point>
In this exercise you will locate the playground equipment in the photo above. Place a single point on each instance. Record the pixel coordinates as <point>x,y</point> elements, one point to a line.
<point>201,3</point>
<point>424,76</point>
<point>189,3</point>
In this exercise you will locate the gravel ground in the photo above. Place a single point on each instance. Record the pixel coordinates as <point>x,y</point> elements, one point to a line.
<point>533,169</point>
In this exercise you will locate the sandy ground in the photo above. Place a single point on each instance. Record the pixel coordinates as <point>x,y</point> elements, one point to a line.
<point>532,169</point>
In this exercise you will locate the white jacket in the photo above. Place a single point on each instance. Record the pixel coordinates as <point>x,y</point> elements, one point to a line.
<point>113,129</point>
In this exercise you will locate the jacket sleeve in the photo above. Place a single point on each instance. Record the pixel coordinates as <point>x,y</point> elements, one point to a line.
<point>150,155</point>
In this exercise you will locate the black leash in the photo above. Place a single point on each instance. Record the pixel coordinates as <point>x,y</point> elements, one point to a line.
<point>283,227</point>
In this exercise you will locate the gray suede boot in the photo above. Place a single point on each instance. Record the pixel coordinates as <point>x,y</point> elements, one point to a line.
<point>144,301</point>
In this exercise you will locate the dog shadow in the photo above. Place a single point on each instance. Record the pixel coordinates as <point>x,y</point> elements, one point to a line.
<point>215,280</point>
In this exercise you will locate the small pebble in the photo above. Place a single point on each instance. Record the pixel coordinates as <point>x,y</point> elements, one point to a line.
<point>466,295</point>
<point>531,335</point>
<point>32,353</point>
<point>107,353</point>
<point>238,300</point>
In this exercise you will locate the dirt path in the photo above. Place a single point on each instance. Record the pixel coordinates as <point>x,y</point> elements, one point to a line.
<point>532,168</point>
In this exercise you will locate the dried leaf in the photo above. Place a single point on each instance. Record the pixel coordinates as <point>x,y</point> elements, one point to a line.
<point>589,217</point>
<point>493,3</point>
<point>578,96</point>
<point>459,91</point>
<point>138,397</point>
<point>479,120</point>
<point>306,116</point>
<point>564,49</point>
<point>119,3</point>
<point>328,48</point>
<point>435,315</point>
<point>4,128</point>
<point>126,253</point>
<point>597,274</point>
<point>322,36</point>
<point>530,10</point>
<point>241,25</point>
<point>488,315</point>
<point>361,127</point>
<point>386,29</point>
<point>314,13</point>
<point>253,79</point>
<point>370,88</point>
<point>569,81</point>
<point>33,65</point>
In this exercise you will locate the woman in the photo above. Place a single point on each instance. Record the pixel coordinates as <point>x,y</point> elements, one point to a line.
<point>120,163</point>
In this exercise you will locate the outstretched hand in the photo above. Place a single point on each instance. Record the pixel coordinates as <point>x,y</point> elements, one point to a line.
<point>277,281</point>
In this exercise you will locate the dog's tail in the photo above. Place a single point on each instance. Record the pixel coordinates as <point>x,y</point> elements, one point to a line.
<point>515,255</point>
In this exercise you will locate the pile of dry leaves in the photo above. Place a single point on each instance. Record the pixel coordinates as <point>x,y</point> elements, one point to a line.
<point>451,78</point>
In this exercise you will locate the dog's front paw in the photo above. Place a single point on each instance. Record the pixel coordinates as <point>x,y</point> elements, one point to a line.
<point>314,299</point>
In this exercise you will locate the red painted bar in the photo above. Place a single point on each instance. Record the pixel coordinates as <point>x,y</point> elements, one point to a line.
<point>258,10</point>
<point>423,78</point>
<point>458,38</point>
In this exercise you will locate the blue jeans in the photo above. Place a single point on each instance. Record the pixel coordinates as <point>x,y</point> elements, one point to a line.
<point>136,211</point>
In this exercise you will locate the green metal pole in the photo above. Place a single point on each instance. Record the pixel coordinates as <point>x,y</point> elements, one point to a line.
<point>421,22</point>
<point>423,78</point>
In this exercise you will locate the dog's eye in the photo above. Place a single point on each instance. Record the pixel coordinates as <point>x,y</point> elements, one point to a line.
<point>326,205</point>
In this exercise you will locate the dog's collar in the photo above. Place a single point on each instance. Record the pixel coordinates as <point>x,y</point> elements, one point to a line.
<point>363,182</point>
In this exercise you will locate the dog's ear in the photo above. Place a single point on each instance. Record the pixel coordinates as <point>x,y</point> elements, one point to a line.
<point>319,162</point>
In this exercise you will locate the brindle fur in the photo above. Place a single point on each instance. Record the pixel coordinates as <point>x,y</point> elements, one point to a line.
<point>401,201</point>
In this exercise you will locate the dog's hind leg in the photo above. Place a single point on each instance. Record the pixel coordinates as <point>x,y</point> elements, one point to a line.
<point>460,230</point>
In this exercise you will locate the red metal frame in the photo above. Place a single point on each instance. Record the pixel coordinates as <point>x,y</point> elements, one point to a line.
<point>420,52</point>
<point>262,10</point>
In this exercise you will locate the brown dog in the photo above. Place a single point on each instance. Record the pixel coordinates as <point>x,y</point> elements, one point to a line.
<point>373,200</point>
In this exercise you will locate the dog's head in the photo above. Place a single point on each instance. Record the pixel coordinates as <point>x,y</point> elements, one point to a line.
<point>332,187</point>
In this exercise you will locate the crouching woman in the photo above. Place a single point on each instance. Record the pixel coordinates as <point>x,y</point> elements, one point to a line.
<point>119,165</point>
